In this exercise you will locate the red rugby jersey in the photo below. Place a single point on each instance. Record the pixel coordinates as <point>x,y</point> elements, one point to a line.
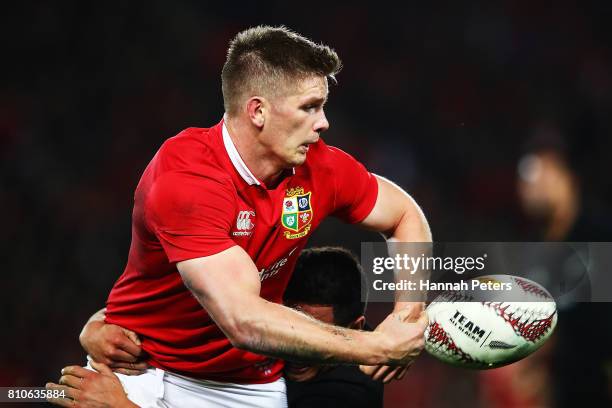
<point>197,198</point>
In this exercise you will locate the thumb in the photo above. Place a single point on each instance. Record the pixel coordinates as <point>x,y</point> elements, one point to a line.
<point>423,319</point>
<point>101,368</point>
<point>132,336</point>
<point>405,313</point>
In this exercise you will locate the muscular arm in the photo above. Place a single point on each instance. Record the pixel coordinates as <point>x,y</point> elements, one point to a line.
<point>396,215</point>
<point>399,219</point>
<point>227,285</point>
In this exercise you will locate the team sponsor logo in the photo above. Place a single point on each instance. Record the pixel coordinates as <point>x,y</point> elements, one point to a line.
<point>244,224</point>
<point>273,270</point>
<point>297,213</point>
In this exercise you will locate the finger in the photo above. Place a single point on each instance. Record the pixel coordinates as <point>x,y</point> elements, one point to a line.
<point>367,370</point>
<point>101,368</point>
<point>141,365</point>
<point>405,313</point>
<point>380,373</point>
<point>132,336</point>
<point>420,306</point>
<point>371,370</point>
<point>423,319</point>
<point>391,374</point>
<point>127,371</point>
<point>119,355</point>
<point>402,304</point>
<point>128,345</point>
<point>77,371</point>
<point>68,394</point>
<point>71,381</point>
<point>402,373</point>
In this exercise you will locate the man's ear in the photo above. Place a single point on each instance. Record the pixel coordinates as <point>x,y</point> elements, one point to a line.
<point>255,110</point>
<point>358,323</point>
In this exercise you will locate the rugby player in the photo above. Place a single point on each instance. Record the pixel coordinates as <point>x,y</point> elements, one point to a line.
<point>220,216</point>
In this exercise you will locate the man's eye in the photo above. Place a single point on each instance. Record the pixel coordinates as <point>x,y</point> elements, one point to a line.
<point>310,108</point>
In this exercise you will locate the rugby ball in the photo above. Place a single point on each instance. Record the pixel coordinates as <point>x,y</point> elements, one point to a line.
<point>475,328</point>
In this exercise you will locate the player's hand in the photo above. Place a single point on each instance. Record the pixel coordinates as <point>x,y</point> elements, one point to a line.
<point>114,346</point>
<point>385,373</point>
<point>408,340</point>
<point>414,309</point>
<point>84,388</point>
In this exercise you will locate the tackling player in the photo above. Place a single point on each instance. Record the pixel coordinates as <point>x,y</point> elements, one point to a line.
<point>220,215</point>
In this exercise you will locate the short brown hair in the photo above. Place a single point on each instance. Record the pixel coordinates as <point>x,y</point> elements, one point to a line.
<point>260,59</point>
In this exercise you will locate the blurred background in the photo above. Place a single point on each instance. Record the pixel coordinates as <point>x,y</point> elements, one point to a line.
<point>496,118</point>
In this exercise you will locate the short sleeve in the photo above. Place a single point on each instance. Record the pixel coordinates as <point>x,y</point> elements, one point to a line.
<point>356,189</point>
<point>191,215</point>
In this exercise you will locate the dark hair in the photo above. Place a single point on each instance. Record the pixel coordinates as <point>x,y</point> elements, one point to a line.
<point>329,276</point>
<point>263,60</point>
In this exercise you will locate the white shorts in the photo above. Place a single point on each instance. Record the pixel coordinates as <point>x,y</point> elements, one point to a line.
<point>159,388</point>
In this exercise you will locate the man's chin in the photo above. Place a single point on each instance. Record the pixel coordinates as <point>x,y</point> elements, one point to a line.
<point>297,160</point>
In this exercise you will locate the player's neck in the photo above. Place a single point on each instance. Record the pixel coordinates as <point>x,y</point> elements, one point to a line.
<point>253,154</point>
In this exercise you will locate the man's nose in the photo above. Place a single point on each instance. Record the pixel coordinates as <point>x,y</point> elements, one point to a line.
<point>321,125</point>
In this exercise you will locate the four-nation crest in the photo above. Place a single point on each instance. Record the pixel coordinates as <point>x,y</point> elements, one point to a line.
<point>297,213</point>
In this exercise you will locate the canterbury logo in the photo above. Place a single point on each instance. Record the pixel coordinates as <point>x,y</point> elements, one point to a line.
<point>244,222</point>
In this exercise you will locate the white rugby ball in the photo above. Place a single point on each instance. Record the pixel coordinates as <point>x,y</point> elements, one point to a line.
<point>479,329</point>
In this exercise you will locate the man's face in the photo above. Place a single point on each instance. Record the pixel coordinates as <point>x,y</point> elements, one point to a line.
<point>540,178</point>
<point>303,372</point>
<point>295,119</point>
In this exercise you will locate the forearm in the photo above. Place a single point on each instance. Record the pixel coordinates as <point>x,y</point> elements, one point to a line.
<point>227,286</point>
<point>289,334</point>
<point>268,328</point>
<point>97,320</point>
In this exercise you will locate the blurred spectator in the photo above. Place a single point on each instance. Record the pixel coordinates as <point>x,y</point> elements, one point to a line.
<point>550,190</point>
<point>567,371</point>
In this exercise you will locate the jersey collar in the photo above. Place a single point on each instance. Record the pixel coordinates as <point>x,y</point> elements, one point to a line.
<point>237,161</point>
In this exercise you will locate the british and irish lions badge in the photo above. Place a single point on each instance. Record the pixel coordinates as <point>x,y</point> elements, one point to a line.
<point>297,213</point>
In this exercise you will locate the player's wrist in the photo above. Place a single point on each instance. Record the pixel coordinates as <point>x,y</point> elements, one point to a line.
<point>379,348</point>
